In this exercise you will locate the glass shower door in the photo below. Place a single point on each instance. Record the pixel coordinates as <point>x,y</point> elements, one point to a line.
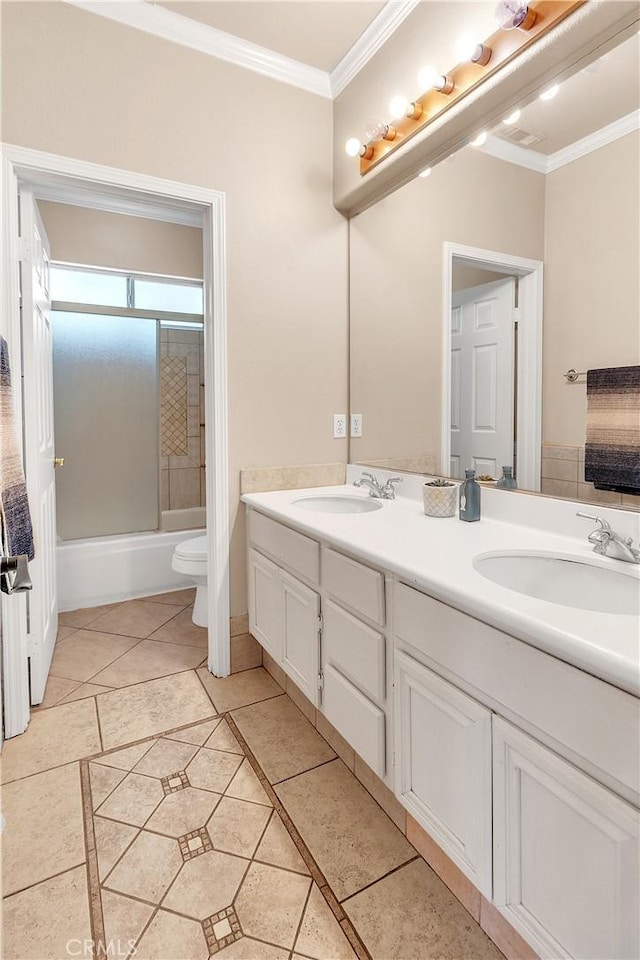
<point>106,414</point>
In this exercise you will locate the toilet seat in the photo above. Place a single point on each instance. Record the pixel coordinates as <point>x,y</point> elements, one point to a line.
<point>194,550</point>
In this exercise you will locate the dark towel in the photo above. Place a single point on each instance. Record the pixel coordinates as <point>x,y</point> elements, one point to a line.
<point>612,454</point>
<point>16,532</point>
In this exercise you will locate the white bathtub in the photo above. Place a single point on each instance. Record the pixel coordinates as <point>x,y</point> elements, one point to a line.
<point>107,569</point>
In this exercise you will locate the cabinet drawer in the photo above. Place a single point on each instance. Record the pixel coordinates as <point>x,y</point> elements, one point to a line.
<point>356,649</point>
<point>359,587</point>
<point>294,550</point>
<point>360,722</point>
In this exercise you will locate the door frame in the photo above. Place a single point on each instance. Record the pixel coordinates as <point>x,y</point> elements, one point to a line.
<point>87,184</point>
<point>529,368</point>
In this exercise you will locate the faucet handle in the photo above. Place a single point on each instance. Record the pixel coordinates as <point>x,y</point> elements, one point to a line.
<point>389,489</point>
<point>589,516</point>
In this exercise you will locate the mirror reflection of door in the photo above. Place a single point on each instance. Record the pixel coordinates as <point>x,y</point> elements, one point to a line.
<point>482,378</point>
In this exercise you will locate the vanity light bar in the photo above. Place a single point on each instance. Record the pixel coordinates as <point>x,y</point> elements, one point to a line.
<point>488,56</point>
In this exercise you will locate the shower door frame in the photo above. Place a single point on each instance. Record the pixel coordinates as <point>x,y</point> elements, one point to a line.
<point>86,184</point>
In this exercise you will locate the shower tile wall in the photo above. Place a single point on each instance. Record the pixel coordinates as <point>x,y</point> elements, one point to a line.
<point>182,419</point>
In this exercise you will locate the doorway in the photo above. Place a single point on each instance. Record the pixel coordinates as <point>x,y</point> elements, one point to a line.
<point>65,180</point>
<point>519,412</point>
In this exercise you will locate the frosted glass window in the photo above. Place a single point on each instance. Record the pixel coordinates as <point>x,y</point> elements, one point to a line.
<point>106,420</point>
<point>169,297</point>
<point>88,286</point>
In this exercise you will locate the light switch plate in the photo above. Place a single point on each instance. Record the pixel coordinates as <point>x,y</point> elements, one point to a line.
<point>339,426</point>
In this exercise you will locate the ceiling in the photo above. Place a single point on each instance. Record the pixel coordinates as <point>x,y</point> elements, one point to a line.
<point>318,34</point>
<point>603,92</point>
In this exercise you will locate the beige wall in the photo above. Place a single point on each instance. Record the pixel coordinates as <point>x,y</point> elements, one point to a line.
<point>592,252</point>
<point>102,239</point>
<point>99,91</point>
<point>396,290</point>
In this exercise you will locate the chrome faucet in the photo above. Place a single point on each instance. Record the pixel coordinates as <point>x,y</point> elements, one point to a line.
<point>376,489</point>
<point>608,543</point>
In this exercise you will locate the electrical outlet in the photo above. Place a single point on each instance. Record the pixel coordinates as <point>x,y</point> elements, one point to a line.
<point>339,426</point>
<point>356,424</point>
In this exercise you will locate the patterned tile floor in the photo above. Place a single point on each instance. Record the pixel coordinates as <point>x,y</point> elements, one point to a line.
<point>140,822</point>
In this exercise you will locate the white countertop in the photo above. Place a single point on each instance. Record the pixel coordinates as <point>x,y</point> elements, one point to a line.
<point>436,556</point>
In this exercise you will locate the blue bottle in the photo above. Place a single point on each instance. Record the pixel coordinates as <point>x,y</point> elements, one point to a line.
<point>469,497</point>
<point>507,480</point>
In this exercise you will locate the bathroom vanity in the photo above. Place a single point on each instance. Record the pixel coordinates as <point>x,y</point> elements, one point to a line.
<point>508,726</point>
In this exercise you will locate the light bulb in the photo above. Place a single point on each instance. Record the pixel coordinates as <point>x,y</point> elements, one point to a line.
<point>479,140</point>
<point>512,118</point>
<point>399,107</point>
<point>353,147</point>
<point>425,172</point>
<point>429,77</point>
<point>466,47</point>
<point>550,93</point>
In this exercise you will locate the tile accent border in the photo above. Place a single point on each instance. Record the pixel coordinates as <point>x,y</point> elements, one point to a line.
<point>213,944</point>
<point>496,927</point>
<point>264,479</point>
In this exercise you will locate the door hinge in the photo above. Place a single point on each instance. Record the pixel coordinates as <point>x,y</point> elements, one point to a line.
<point>517,315</point>
<point>320,623</point>
<point>321,681</point>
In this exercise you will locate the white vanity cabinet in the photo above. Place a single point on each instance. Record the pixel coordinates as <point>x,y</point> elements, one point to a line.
<point>443,766</point>
<point>565,854</point>
<point>513,761</point>
<point>321,615</point>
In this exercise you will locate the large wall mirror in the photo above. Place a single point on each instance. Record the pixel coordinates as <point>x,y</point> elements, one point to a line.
<point>475,289</point>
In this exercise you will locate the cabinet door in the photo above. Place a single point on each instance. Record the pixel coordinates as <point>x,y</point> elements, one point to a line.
<point>566,854</point>
<point>443,756</point>
<point>300,619</point>
<point>264,605</point>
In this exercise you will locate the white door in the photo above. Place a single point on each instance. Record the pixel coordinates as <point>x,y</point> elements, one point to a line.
<point>482,378</point>
<point>264,603</point>
<point>443,752</point>
<point>565,854</point>
<point>38,438</point>
<point>300,619</point>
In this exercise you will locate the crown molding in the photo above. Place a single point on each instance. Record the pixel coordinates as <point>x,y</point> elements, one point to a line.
<point>599,138</point>
<point>512,153</point>
<point>541,163</point>
<point>198,36</point>
<point>375,36</point>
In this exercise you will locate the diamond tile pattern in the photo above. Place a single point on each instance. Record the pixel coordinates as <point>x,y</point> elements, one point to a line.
<point>173,406</point>
<point>194,843</point>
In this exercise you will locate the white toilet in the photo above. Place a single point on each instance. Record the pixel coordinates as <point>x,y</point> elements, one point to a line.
<point>190,559</point>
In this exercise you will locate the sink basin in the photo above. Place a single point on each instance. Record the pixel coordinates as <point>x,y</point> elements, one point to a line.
<point>570,582</point>
<point>346,504</point>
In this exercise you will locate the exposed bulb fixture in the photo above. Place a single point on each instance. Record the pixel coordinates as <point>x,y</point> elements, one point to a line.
<point>430,77</point>
<point>425,173</point>
<point>401,108</point>
<point>379,130</point>
<point>512,118</point>
<point>354,148</point>
<point>469,49</point>
<point>515,14</point>
<point>479,140</point>
<point>550,93</point>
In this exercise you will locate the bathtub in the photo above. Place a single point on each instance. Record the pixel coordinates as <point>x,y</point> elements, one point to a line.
<point>108,569</point>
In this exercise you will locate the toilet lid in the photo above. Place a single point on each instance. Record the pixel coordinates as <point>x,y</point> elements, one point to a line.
<point>195,549</point>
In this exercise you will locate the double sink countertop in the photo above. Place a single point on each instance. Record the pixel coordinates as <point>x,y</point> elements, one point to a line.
<point>437,556</point>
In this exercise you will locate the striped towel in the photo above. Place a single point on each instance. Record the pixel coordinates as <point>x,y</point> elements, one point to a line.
<point>612,454</point>
<point>16,533</point>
